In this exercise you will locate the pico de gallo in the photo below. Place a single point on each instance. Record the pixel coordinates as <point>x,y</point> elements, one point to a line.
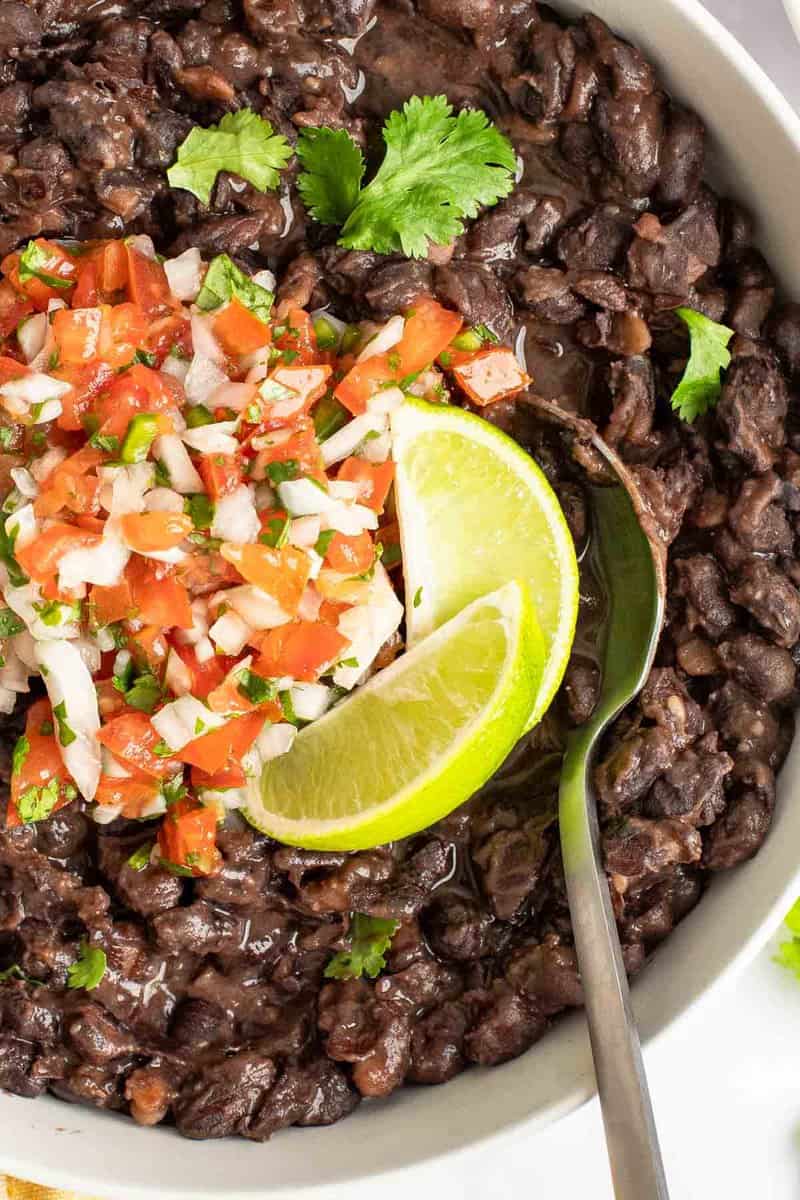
<point>197,533</point>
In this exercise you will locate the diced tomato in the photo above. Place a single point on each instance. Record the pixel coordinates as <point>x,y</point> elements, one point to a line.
<point>491,375</point>
<point>227,698</point>
<point>133,739</point>
<point>429,329</point>
<point>215,750</point>
<point>112,273</point>
<point>135,795</point>
<point>13,308</point>
<point>151,532</point>
<point>148,286</point>
<point>77,333</point>
<point>221,473</point>
<point>55,261</point>
<point>87,381</point>
<point>231,776</point>
<point>303,650</point>
<point>109,604</point>
<point>362,382</point>
<point>205,572</point>
<point>168,333</point>
<point>139,390</point>
<point>148,646</point>
<point>11,369</point>
<point>85,294</point>
<point>350,555</point>
<point>158,597</point>
<point>70,486</point>
<point>206,676</point>
<point>374,479</point>
<point>301,447</point>
<point>40,764</point>
<point>187,837</point>
<point>41,556</point>
<point>239,331</point>
<point>124,330</point>
<point>299,338</point>
<point>282,574</point>
<point>330,611</point>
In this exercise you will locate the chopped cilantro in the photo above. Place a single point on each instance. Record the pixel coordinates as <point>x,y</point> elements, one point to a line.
<point>105,441</point>
<point>333,167</point>
<point>224,281</point>
<point>145,358</point>
<point>145,692</point>
<point>349,662</point>
<point>163,477</point>
<point>700,386</point>
<point>10,623</point>
<point>438,169</point>
<point>8,540</point>
<point>276,532</point>
<point>417,597</point>
<point>57,612</point>
<point>370,939</point>
<point>487,334</point>
<point>288,707</point>
<point>201,510</point>
<point>173,789</point>
<point>22,749</point>
<point>33,264</point>
<point>323,542</point>
<point>89,967</point>
<point>66,734</point>
<point>280,472</point>
<point>37,803</point>
<point>256,688</point>
<point>141,857</point>
<point>391,555</point>
<point>243,143</point>
<point>7,437</point>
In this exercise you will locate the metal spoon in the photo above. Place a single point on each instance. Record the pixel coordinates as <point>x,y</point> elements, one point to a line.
<point>633,565</point>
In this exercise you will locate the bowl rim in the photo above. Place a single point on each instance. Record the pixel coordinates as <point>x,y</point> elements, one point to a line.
<point>793,13</point>
<point>95,1178</point>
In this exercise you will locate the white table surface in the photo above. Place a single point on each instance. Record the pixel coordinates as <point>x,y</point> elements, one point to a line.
<point>726,1085</point>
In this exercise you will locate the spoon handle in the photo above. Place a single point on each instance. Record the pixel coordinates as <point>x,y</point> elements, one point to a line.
<point>633,1149</point>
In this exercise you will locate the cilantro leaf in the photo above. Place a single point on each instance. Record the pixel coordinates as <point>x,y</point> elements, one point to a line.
<point>145,692</point>
<point>37,803</point>
<point>89,968</point>
<point>22,749</point>
<point>8,540</point>
<point>33,264</point>
<point>699,389</point>
<point>10,623</point>
<point>438,169</point>
<point>256,688</point>
<point>224,281</point>
<point>370,939</point>
<point>243,143</point>
<point>333,169</point>
<point>66,734</point>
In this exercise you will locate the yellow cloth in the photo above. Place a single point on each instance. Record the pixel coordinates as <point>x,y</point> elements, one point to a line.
<point>17,1189</point>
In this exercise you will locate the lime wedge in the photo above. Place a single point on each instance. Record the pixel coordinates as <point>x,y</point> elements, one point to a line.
<point>416,741</point>
<point>476,511</point>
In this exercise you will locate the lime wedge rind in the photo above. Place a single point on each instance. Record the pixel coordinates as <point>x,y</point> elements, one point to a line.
<point>476,510</point>
<point>365,760</point>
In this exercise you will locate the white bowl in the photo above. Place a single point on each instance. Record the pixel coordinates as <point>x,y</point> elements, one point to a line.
<point>793,13</point>
<point>755,141</point>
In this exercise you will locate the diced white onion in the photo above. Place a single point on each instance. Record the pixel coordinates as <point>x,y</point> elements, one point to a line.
<point>303,497</point>
<point>304,531</point>
<point>344,489</point>
<point>233,395</point>
<point>24,647</point>
<point>163,499</point>
<point>385,401</point>
<point>340,445</point>
<point>311,700</point>
<point>8,701</point>
<point>216,438</point>
<point>14,674</point>
<point>185,274</point>
<point>177,675</point>
<point>143,245</point>
<point>32,335</point>
<point>176,368</point>
<point>22,525</point>
<point>42,467</point>
<point>384,339</point>
<point>202,380</point>
<point>272,742</point>
<point>25,601</point>
<point>124,487</point>
<point>377,449</point>
<point>101,564</point>
<point>255,607</point>
<point>183,720</point>
<point>265,279</point>
<point>204,650</point>
<point>69,682</point>
<point>235,516</point>
<point>349,519</point>
<point>230,633</point>
<point>367,627</point>
<point>183,477</point>
<point>310,604</point>
<point>199,629</point>
<point>33,388</point>
<point>204,344</point>
<point>104,814</point>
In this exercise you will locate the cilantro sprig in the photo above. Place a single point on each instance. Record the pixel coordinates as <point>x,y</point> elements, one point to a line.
<point>370,939</point>
<point>225,281</point>
<point>700,387</point>
<point>439,168</point>
<point>243,143</point>
<point>89,967</point>
<point>789,951</point>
